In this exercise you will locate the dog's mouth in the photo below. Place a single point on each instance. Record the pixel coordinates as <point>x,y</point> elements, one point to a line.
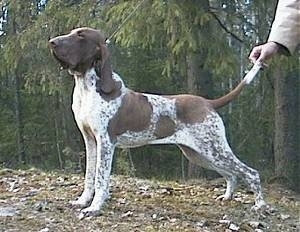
<point>66,62</point>
<point>61,61</point>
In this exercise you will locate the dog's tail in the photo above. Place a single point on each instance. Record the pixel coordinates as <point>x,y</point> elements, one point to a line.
<point>222,101</point>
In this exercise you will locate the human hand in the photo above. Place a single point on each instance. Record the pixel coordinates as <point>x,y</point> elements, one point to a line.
<point>263,52</point>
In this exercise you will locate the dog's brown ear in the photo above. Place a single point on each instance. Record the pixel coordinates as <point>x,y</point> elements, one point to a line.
<point>105,85</point>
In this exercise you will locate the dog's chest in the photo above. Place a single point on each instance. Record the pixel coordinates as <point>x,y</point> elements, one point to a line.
<point>89,108</point>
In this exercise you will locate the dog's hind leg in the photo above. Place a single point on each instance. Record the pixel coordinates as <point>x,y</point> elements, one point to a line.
<point>225,161</point>
<point>211,149</point>
<point>203,161</point>
<point>230,186</point>
<point>228,162</point>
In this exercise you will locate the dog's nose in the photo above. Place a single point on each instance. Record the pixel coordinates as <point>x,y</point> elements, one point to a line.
<point>53,42</point>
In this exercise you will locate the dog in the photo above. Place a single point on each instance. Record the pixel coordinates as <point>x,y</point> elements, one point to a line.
<point>110,115</point>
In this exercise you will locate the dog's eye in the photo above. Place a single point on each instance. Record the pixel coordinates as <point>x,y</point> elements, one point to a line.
<point>80,34</point>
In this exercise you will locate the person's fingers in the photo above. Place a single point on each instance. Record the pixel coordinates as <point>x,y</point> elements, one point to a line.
<point>263,52</point>
<point>255,54</point>
<point>263,56</point>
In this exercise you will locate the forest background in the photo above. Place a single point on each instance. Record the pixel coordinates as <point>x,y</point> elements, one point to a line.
<point>165,47</point>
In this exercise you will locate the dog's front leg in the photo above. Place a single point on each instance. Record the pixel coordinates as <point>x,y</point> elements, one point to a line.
<point>105,151</point>
<point>89,183</point>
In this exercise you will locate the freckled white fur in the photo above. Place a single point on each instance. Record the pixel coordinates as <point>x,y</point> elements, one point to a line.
<point>207,139</point>
<point>93,112</point>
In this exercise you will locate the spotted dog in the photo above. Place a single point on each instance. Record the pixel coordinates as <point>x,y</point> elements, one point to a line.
<point>110,115</point>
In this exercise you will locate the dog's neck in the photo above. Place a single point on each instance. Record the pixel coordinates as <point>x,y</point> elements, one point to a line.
<point>90,81</point>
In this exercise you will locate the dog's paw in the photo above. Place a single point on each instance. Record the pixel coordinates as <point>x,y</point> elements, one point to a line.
<point>89,212</point>
<point>81,202</point>
<point>224,197</point>
<point>263,209</point>
<point>84,200</point>
<point>260,206</point>
<point>95,208</point>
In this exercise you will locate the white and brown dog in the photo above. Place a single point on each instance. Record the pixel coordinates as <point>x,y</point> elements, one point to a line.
<point>110,115</point>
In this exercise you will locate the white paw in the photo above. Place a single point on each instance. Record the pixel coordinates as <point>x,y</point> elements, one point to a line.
<point>83,201</point>
<point>91,211</point>
<point>224,197</point>
<point>260,205</point>
<point>95,208</point>
<point>80,203</point>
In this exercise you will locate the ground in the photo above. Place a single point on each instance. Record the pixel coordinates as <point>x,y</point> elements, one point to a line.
<point>33,200</point>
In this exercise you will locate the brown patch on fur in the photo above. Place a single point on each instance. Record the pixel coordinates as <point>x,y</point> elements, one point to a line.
<point>191,109</point>
<point>115,87</point>
<point>164,127</point>
<point>222,101</point>
<point>106,86</point>
<point>133,115</point>
<point>104,72</point>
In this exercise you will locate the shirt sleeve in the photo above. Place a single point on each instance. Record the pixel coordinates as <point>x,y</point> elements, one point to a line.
<point>286,25</point>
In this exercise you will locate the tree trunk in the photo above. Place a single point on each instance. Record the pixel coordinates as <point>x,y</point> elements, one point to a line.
<point>57,125</point>
<point>192,69</point>
<point>287,127</point>
<point>198,83</point>
<point>19,122</point>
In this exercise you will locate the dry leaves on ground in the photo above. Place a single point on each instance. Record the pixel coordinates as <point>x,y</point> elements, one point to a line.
<point>33,200</point>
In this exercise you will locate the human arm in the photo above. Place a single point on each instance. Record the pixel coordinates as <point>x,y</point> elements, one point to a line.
<point>285,32</point>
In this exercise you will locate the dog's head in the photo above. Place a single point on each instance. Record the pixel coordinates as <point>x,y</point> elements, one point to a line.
<point>82,49</point>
